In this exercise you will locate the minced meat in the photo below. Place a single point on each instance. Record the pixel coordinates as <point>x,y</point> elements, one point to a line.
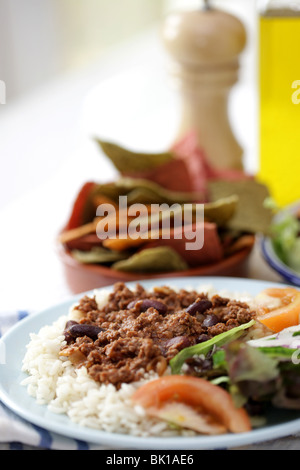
<point>139,331</point>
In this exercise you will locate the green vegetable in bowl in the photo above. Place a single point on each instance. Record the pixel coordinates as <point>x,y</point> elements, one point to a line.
<point>286,240</point>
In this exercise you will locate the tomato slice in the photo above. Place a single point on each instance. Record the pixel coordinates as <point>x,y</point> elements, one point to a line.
<point>199,394</point>
<point>286,314</point>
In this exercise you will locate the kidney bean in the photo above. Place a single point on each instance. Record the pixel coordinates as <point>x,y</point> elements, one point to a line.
<point>210,320</point>
<point>67,335</point>
<point>199,307</point>
<point>70,323</point>
<point>148,303</point>
<point>201,338</point>
<point>178,341</point>
<point>159,306</point>
<point>83,329</point>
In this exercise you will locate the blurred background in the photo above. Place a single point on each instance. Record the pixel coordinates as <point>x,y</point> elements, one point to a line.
<point>43,39</point>
<point>52,52</point>
<point>74,69</point>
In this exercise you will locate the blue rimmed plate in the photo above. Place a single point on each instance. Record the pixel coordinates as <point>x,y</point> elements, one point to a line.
<point>280,423</point>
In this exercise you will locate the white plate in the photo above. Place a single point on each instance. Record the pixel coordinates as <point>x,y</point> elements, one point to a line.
<point>280,423</point>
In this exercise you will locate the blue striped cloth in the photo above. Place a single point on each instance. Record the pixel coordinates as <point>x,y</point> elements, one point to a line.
<point>18,434</point>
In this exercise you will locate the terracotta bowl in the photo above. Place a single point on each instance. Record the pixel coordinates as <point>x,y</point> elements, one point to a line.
<point>85,277</point>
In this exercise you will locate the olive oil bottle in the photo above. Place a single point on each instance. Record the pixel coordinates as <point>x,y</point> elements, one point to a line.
<point>279,83</point>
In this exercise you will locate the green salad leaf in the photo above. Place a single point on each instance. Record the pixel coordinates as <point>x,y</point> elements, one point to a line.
<point>245,363</point>
<point>256,373</point>
<point>286,240</point>
<point>278,352</point>
<point>203,348</point>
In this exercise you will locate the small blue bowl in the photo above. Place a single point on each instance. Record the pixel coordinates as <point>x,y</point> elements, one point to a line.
<point>288,274</point>
<point>270,255</point>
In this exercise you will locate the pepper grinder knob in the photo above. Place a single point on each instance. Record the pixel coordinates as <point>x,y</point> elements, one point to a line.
<point>205,46</point>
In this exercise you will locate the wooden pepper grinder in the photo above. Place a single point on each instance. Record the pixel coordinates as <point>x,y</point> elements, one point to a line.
<point>205,46</point>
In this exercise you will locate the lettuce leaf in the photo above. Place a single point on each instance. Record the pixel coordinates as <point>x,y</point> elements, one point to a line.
<point>245,363</point>
<point>278,352</point>
<point>286,241</point>
<point>203,348</point>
